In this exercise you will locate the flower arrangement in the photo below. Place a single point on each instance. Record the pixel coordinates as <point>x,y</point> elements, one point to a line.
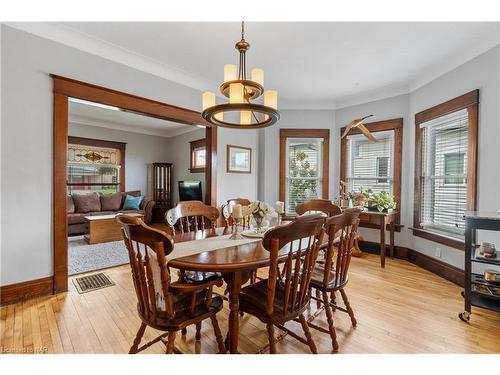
<point>259,211</point>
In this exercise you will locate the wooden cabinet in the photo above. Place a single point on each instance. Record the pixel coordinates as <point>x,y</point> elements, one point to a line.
<point>162,190</point>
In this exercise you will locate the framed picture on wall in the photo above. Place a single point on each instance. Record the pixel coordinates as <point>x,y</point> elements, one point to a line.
<point>239,159</point>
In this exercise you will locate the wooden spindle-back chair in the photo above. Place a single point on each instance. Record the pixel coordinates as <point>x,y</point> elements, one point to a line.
<point>285,295</point>
<point>227,209</point>
<point>332,274</point>
<point>162,304</point>
<point>189,216</point>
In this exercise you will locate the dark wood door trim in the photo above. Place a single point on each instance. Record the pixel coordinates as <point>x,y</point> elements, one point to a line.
<point>64,88</point>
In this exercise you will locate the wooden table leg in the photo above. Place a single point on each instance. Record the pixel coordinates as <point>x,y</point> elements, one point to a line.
<point>391,238</point>
<point>234,281</point>
<point>382,241</point>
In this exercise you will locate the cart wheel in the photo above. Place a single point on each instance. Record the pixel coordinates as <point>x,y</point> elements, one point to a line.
<point>462,293</point>
<point>464,316</point>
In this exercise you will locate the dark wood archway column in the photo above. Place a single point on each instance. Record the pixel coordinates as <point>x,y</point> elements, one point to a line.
<point>64,88</point>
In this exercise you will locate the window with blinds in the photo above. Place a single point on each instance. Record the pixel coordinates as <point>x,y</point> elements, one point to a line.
<point>370,165</point>
<point>443,177</point>
<point>303,171</point>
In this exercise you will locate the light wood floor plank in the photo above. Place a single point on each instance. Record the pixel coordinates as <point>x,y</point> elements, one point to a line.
<point>400,309</point>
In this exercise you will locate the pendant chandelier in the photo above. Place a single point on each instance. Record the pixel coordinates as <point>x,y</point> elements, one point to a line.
<point>242,112</point>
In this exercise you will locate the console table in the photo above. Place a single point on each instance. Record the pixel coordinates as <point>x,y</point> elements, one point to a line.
<point>382,220</point>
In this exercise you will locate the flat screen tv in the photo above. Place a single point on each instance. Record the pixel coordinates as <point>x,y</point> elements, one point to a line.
<point>190,191</point>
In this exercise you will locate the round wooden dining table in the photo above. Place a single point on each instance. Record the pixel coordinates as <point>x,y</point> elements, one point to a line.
<point>235,263</point>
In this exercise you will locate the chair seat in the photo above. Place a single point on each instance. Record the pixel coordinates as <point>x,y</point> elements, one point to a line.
<point>317,279</point>
<point>183,314</point>
<point>253,300</point>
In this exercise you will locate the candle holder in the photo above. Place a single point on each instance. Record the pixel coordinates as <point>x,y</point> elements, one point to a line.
<point>236,234</point>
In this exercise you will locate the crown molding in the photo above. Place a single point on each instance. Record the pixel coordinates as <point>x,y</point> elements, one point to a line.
<point>82,120</point>
<point>84,42</point>
<point>98,47</point>
<point>373,96</point>
<point>462,57</point>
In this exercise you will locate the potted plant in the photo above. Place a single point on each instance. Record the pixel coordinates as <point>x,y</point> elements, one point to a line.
<point>382,202</point>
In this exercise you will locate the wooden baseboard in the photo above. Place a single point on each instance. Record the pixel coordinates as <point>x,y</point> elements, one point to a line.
<point>28,289</point>
<point>444,270</point>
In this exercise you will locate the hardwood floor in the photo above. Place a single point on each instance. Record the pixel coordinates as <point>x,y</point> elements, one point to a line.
<point>400,309</point>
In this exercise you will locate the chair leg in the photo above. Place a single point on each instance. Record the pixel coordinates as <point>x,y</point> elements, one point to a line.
<point>348,308</point>
<point>305,327</point>
<point>137,340</point>
<point>272,338</point>
<point>318,296</point>
<point>170,342</point>
<point>329,317</point>
<point>198,331</point>
<point>218,335</point>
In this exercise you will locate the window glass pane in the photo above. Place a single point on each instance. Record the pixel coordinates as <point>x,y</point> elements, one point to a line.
<point>93,169</point>
<point>444,173</point>
<point>367,161</point>
<point>303,172</point>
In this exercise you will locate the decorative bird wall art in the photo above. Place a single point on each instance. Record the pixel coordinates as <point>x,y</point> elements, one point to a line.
<point>358,123</point>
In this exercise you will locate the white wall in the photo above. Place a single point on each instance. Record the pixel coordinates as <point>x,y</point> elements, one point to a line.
<point>270,147</point>
<point>178,153</point>
<point>26,139</point>
<point>236,185</point>
<point>140,152</point>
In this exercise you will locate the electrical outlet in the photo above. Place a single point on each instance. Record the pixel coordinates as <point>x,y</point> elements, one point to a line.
<point>438,252</point>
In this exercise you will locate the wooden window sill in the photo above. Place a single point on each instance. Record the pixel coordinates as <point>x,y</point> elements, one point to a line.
<point>435,237</point>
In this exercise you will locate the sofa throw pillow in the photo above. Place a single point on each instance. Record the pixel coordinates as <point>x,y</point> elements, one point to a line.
<point>111,202</point>
<point>132,203</point>
<point>87,202</point>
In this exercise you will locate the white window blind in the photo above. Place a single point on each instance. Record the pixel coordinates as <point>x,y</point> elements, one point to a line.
<point>303,171</point>
<point>370,165</point>
<point>444,173</point>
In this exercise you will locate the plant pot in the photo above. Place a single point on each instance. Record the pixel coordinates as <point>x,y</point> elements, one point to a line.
<point>375,209</point>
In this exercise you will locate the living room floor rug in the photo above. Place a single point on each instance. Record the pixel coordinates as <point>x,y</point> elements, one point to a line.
<point>83,257</point>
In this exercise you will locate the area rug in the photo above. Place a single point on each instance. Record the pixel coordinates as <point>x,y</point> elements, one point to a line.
<point>83,257</point>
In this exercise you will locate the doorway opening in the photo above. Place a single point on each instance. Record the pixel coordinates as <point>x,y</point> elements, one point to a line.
<point>107,147</point>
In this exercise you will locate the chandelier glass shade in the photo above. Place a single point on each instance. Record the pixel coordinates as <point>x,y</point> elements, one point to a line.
<point>249,106</point>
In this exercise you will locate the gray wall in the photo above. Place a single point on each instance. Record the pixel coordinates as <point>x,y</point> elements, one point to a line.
<point>178,153</point>
<point>481,73</point>
<point>26,139</point>
<point>236,185</point>
<point>141,151</point>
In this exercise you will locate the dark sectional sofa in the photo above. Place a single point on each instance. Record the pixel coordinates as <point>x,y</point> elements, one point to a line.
<point>81,205</point>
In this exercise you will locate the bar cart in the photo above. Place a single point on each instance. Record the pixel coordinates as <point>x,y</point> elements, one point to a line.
<point>475,285</point>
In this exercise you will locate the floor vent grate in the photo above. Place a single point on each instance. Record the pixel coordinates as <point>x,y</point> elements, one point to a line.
<point>93,282</point>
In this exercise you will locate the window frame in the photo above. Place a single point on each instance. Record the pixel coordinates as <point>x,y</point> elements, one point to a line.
<point>193,145</point>
<point>325,162</point>
<point>102,143</point>
<point>395,125</point>
<point>469,101</point>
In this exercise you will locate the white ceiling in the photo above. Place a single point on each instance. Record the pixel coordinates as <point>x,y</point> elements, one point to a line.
<point>311,64</point>
<point>90,115</point>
